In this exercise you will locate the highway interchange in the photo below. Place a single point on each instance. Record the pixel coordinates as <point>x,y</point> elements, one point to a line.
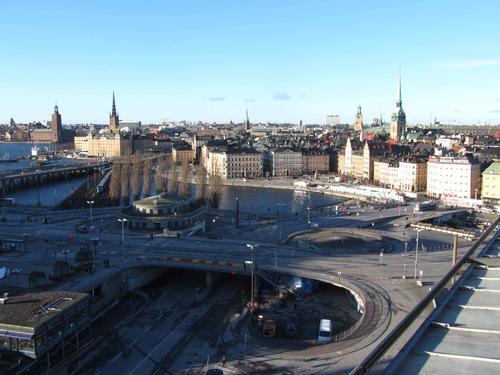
<point>141,341</point>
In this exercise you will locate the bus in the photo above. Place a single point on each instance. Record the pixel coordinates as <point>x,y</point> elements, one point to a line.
<point>425,206</point>
<point>325,331</point>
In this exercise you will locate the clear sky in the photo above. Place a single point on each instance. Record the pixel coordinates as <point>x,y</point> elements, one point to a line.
<point>285,60</point>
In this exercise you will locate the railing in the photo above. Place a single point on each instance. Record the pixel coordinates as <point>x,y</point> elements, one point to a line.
<point>394,335</point>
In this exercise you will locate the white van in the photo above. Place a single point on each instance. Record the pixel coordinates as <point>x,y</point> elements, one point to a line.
<point>325,331</point>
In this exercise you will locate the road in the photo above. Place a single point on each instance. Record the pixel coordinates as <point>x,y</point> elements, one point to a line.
<point>142,345</point>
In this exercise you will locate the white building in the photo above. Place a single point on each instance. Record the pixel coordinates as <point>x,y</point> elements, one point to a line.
<point>238,163</point>
<point>453,177</point>
<point>332,120</point>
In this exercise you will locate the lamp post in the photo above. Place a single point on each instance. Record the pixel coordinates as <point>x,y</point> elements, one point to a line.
<point>17,272</point>
<point>123,221</point>
<point>253,272</point>
<point>65,252</point>
<point>237,212</point>
<point>90,203</point>
<point>416,252</point>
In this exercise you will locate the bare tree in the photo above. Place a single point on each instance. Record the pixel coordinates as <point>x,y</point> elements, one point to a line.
<point>185,180</point>
<point>125,177</point>
<point>146,184</point>
<point>135,177</point>
<point>172,180</point>
<point>201,183</point>
<point>115,184</point>
<point>160,178</point>
<point>215,190</point>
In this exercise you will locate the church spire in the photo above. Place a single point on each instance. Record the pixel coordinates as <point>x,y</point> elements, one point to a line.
<point>113,108</point>
<point>399,102</point>
<point>246,123</point>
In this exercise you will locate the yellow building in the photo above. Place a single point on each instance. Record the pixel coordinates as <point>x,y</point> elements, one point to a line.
<point>183,153</point>
<point>491,183</point>
<point>104,145</point>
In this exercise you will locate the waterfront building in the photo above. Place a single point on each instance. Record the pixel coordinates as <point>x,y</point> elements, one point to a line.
<point>398,119</point>
<point>314,160</point>
<point>491,183</point>
<point>108,144</point>
<point>407,174</point>
<point>453,177</point>
<point>235,163</point>
<point>412,174</point>
<point>55,134</point>
<point>166,213</point>
<point>282,162</point>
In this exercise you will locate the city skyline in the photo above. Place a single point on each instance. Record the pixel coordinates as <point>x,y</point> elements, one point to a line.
<point>208,62</point>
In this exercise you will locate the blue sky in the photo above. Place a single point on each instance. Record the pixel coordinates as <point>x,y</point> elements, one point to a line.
<point>285,60</point>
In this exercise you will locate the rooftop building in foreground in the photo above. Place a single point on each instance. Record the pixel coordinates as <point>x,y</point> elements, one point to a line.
<point>462,338</point>
<point>34,324</point>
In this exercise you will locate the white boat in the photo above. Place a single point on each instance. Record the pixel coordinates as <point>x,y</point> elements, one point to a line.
<point>35,150</point>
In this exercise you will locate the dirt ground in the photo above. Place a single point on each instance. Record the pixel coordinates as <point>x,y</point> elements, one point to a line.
<point>327,302</point>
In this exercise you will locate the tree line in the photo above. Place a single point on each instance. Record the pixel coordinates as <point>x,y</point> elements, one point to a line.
<point>135,176</point>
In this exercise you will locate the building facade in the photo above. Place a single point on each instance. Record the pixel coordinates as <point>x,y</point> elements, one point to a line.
<point>454,177</point>
<point>237,163</point>
<point>282,162</point>
<point>491,183</point>
<point>315,161</point>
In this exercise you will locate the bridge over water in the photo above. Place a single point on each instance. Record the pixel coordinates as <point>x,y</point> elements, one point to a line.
<point>33,178</point>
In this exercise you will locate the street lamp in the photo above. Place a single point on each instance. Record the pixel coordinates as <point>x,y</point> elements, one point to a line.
<point>237,212</point>
<point>123,221</point>
<point>251,246</point>
<point>17,272</point>
<point>416,251</point>
<point>90,203</point>
<point>65,252</point>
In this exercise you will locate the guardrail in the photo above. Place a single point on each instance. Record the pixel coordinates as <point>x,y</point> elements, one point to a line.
<point>394,335</point>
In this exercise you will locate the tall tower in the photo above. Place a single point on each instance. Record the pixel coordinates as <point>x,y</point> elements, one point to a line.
<point>398,119</point>
<point>358,123</point>
<point>114,121</point>
<point>246,123</point>
<point>56,125</point>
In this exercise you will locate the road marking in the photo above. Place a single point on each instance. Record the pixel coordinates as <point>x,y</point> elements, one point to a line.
<point>132,343</point>
<point>116,357</point>
<point>147,329</point>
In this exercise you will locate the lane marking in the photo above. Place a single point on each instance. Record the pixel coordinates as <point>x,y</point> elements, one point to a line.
<point>116,357</point>
<point>132,343</point>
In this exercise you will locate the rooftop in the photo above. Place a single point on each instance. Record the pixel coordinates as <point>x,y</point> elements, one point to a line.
<point>159,200</point>
<point>32,309</point>
<point>494,168</point>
